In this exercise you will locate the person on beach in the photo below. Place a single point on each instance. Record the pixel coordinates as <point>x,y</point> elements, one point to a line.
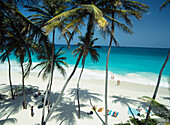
<point>94,107</point>
<point>112,77</point>
<point>32,112</point>
<point>139,110</point>
<point>37,94</point>
<point>118,82</point>
<point>90,113</point>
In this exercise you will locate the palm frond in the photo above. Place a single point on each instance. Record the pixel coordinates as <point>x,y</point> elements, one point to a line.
<point>120,25</point>
<point>159,109</point>
<point>164,4</point>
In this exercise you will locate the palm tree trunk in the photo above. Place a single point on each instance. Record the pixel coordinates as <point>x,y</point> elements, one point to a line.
<point>52,65</point>
<point>106,80</point>
<point>49,92</point>
<point>157,86</point>
<point>78,101</point>
<point>23,87</point>
<point>62,91</point>
<point>90,28</point>
<point>49,82</point>
<point>12,94</point>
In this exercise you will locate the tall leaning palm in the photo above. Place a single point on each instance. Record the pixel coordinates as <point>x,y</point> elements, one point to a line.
<point>58,63</point>
<point>3,42</point>
<point>48,10</point>
<point>95,16</point>
<point>3,58</point>
<point>83,11</point>
<point>160,74</point>
<point>84,49</point>
<point>22,45</point>
<point>124,9</point>
<point>157,86</point>
<point>16,33</point>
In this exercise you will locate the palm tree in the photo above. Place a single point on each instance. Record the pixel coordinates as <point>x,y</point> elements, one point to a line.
<point>10,10</point>
<point>157,86</point>
<point>160,109</point>
<point>3,58</point>
<point>21,44</point>
<point>44,13</point>
<point>3,32</point>
<point>46,65</point>
<point>123,9</point>
<point>164,4</point>
<point>84,49</point>
<point>160,74</point>
<point>94,16</point>
<point>79,13</point>
<point>9,7</point>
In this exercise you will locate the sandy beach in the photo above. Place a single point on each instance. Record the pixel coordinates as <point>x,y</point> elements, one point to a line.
<point>91,93</point>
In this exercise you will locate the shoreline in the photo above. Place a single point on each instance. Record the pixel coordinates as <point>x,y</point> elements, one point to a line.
<point>144,78</point>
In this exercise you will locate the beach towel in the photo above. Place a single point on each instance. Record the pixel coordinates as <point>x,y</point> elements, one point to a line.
<point>132,111</point>
<point>110,112</point>
<point>100,109</point>
<point>115,114</point>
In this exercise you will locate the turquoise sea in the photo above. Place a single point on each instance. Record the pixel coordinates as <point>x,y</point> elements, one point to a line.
<point>140,65</point>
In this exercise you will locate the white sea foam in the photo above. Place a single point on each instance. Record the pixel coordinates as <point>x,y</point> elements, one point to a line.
<point>143,78</point>
<point>146,78</point>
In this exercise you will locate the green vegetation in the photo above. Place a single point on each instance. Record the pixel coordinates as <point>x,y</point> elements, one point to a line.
<point>158,109</point>
<point>136,121</point>
<point>142,121</point>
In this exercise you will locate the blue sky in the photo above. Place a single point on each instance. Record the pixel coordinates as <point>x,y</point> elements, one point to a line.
<point>152,31</point>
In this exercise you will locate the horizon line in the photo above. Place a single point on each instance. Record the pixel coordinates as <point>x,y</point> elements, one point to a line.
<point>125,46</point>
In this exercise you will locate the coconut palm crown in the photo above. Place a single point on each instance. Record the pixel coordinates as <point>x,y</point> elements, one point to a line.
<point>87,48</point>
<point>46,63</point>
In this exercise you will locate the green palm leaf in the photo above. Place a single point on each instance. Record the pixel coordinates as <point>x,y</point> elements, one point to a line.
<point>164,4</point>
<point>158,108</point>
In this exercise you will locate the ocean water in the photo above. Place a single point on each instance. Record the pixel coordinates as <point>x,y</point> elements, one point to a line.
<point>139,65</point>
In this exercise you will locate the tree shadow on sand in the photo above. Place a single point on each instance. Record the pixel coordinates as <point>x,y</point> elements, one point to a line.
<point>67,113</point>
<point>167,98</point>
<point>85,96</point>
<point>127,101</point>
<point>124,100</point>
<point>38,101</point>
<point>10,107</point>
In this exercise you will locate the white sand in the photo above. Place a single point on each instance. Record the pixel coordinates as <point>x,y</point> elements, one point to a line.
<point>119,98</point>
